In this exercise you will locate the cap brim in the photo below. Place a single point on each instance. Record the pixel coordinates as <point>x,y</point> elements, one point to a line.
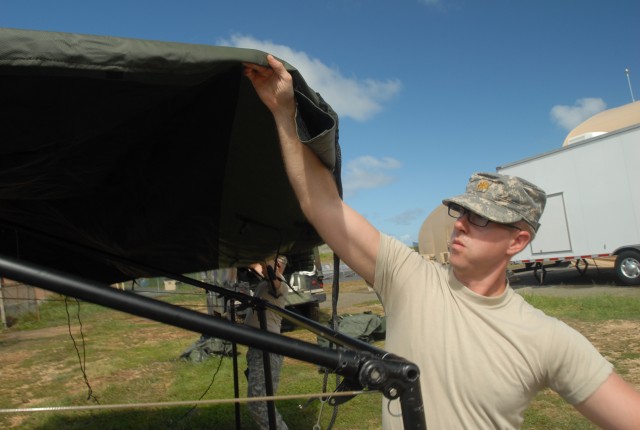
<point>487,208</point>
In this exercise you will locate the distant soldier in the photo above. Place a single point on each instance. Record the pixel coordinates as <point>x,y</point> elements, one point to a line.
<point>273,290</point>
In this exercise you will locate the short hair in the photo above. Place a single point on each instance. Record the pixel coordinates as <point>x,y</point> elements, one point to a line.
<point>523,225</point>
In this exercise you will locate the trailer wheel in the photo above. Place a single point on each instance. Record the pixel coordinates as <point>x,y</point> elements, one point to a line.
<point>628,267</point>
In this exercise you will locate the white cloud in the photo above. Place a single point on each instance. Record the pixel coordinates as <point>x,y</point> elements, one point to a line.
<point>349,97</point>
<point>367,172</point>
<point>407,217</point>
<point>569,117</point>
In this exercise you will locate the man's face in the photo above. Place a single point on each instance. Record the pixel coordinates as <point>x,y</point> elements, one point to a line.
<point>474,251</point>
<point>280,266</point>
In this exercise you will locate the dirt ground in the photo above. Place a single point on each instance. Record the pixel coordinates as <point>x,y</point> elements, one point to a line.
<point>619,342</point>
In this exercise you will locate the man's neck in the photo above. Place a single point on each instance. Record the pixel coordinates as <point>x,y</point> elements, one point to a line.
<point>489,284</point>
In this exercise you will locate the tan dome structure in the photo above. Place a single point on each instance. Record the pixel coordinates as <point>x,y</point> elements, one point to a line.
<point>434,235</point>
<point>604,122</point>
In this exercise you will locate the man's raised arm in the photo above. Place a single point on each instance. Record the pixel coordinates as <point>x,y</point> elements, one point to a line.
<point>348,234</point>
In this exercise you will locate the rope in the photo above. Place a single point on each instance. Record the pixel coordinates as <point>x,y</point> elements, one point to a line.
<point>81,359</point>
<point>208,388</point>
<point>181,403</point>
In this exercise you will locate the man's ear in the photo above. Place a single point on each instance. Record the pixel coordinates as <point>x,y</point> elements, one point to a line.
<point>519,242</point>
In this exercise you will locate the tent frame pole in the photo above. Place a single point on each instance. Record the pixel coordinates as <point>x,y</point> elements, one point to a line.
<point>395,377</point>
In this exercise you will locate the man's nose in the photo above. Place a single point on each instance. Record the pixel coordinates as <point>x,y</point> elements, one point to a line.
<point>462,222</point>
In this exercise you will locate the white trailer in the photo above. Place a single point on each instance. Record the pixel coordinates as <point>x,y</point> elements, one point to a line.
<point>593,202</point>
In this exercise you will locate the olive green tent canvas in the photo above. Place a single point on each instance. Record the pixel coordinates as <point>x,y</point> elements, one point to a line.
<point>157,153</point>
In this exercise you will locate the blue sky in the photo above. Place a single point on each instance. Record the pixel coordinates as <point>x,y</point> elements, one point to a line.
<point>428,91</point>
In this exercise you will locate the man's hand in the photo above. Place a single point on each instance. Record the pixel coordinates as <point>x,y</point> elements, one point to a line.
<point>274,86</point>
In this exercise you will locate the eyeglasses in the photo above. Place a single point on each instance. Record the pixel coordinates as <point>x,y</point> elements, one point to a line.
<point>456,211</point>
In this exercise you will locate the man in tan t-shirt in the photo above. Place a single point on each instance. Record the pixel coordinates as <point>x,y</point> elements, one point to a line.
<point>483,352</point>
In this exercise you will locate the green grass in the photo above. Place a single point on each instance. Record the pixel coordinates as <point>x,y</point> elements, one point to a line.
<point>550,411</point>
<point>136,381</point>
<point>590,308</point>
<point>53,312</point>
<point>133,360</point>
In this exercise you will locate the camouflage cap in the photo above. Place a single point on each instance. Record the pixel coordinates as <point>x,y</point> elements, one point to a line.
<point>502,198</point>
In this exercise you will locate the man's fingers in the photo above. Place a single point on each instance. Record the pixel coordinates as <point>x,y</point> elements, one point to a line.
<point>253,70</point>
<point>276,65</point>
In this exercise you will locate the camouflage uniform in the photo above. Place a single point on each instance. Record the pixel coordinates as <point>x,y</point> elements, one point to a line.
<point>255,365</point>
<point>256,387</point>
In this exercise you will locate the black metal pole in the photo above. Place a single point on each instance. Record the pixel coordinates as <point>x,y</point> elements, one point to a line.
<point>234,359</point>
<point>125,301</point>
<point>395,377</point>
